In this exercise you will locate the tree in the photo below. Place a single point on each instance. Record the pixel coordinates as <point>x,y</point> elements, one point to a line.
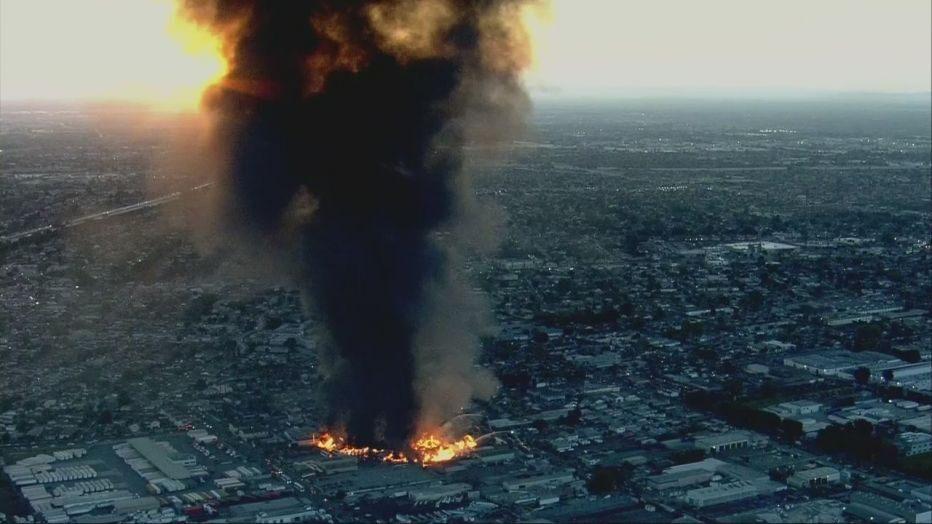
<point>198,308</point>
<point>632,242</point>
<point>857,440</point>
<point>867,336</point>
<point>862,375</point>
<point>22,425</point>
<point>602,481</point>
<point>539,336</point>
<point>687,455</point>
<point>691,329</point>
<point>658,313</point>
<point>754,300</point>
<point>781,473</point>
<point>767,422</point>
<point>605,480</point>
<point>637,323</point>
<point>105,417</point>
<point>792,429</point>
<point>123,398</point>
<point>861,427</point>
<point>519,379</point>
<point>831,439</point>
<point>573,418</point>
<point>734,388</point>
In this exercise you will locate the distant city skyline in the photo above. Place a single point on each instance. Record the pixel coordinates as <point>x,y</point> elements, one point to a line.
<point>134,50</point>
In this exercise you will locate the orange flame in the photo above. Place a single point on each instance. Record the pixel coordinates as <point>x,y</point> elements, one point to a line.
<point>431,449</point>
<point>325,442</point>
<point>425,450</point>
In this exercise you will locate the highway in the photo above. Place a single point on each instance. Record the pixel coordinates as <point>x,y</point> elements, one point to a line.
<point>14,238</point>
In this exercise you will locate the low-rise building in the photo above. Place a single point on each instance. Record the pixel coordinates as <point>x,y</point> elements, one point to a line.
<point>679,479</point>
<point>801,407</point>
<point>724,442</point>
<point>548,479</point>
<point>814,477</point>
<point>913,443</point>
<point>908,510</point>
<point>331,465</point>
<point>280,511</point>
<point>438,493</point>
<point>721,494</point>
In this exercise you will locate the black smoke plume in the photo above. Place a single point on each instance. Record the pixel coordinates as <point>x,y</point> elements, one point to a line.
<point>340,125</point>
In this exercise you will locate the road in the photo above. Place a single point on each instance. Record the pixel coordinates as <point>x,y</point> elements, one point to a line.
<point>9,240</point>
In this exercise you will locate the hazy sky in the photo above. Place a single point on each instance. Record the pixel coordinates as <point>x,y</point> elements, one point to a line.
<point>849,45</point>
<point>123,48</point>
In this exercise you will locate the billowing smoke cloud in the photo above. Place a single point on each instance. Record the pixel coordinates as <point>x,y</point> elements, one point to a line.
<point>341,124</point>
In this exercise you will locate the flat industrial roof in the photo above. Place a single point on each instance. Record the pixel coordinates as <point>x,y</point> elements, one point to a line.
<point>157,455</point>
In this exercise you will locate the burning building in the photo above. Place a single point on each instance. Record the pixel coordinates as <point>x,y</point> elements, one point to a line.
<point>426,449</point>
<point>338,131</point>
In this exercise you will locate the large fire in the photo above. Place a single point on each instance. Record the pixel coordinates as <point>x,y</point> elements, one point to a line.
<point>425,450</point>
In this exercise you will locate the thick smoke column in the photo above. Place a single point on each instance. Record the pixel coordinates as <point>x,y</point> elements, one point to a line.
<point>340,125</point>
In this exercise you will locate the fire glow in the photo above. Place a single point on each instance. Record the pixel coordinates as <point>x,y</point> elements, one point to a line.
<point>425,450</point>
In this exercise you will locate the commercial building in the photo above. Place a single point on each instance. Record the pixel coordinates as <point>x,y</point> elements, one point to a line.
<point>280,511</point>
<point>331,465</point>
<point>800,407</point>
<point>909,511</point>
<point>904,371</point>
<point>438,493</point>
<point>912,443</point>
<point>724,442</point>
<point>814,477</point>
<point>536,481</point>
<point>839,362</point>
<point>679,479</point>
<point>721,494</point>
<point>172,465</point>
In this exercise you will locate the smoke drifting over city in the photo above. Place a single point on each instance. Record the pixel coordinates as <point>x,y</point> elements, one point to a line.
<point>340,127</point>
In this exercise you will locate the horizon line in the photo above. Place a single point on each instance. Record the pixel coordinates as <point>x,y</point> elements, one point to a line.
<point>544,94</point>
